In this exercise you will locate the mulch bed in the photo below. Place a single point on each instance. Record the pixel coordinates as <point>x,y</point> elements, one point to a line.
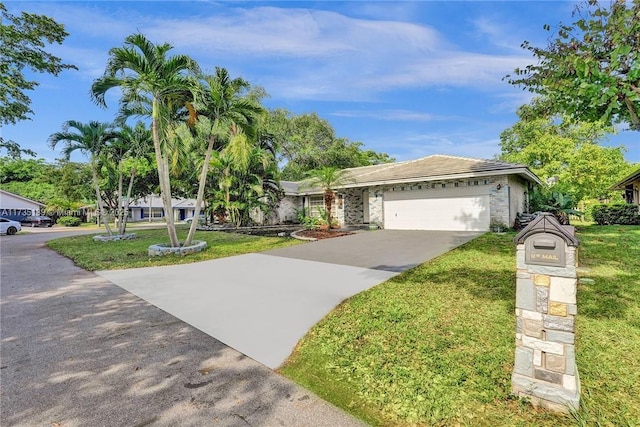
<point>322,234</point>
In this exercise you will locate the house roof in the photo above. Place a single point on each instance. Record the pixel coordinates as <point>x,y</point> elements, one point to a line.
<point>4,192</point>
<point>156,202</point>
<point>429,168</point>
<point>635,176</point>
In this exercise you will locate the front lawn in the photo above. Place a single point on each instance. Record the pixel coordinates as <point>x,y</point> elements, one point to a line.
<point>92,255</point>
<point>435,345</point>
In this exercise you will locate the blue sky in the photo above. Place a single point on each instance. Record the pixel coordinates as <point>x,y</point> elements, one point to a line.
<point>406,78</point>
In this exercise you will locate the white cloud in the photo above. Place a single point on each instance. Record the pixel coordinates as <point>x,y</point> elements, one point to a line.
<point>328,56</point>
<point>463,144</point>
<point>499,32</point>
<point>294,53</point>
<point>391,115</point>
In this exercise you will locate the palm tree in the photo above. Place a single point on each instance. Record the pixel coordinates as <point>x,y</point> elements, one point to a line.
<point>127,151</point>
<point>247,178</point>
<point>90,139</point>
<point>223,102</point>
<point>156,86</point>
<point>328,178</point>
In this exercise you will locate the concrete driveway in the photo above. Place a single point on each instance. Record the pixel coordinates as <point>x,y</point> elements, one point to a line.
<point>79,351</point>
<point>263,304</point>
<point>389,250</point>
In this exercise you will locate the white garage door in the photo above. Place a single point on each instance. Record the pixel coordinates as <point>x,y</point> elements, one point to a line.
<point>436,210</point>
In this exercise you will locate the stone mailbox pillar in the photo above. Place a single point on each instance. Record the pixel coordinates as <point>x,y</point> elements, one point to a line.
<point>545,361</point>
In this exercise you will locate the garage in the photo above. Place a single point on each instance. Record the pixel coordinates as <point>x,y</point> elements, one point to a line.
<point>458,209</point>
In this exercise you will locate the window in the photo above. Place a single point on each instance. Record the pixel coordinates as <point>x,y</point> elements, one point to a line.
<point>316,204</point>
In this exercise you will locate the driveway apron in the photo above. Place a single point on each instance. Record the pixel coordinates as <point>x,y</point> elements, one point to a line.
<point>263,304</point>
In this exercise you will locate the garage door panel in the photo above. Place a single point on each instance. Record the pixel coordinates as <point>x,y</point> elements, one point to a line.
<point>469,213</point>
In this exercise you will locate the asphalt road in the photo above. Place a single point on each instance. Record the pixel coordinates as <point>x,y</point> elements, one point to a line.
<point>77,350</point>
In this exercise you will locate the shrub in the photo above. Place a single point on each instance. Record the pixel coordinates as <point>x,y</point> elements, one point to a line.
<point>69,221</point>
<point>617,213</point>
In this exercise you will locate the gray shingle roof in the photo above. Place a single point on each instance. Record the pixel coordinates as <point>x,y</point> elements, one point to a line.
<point>425,169</point>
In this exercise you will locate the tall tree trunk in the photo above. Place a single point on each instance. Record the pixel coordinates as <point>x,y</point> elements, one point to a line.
<point>96,184</point>
<point>633,114</point>
<point>163,178</point>
<point>125,209</point>
<point>120,199</point>
<point>201,185</point>
<point>328,202</point>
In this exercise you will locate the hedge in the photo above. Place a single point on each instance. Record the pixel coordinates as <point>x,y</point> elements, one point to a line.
<point>622,214</point>
<point>69,221</point>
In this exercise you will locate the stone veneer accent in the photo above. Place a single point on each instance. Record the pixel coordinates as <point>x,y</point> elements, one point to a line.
<point>499,201</point>
<point>545,360</point>
<point>161,250</point>
<point>114,237</point>
<point>376,210</point>
<point>353,206</point>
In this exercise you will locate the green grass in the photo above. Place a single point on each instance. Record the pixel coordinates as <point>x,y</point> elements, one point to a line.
<point>435,345</point>
<point>92,255</point>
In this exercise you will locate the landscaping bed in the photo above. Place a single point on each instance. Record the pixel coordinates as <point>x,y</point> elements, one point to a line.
<point>435,345</point>
<point>92,255</point>
<point>321,234</point>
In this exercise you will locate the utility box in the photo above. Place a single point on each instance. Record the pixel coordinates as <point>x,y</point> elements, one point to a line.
<point>545,368</point>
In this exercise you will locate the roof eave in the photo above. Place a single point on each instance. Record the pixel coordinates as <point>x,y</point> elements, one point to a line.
<point>626,181</point>
<point>522,171</point>
<point>23,198</point>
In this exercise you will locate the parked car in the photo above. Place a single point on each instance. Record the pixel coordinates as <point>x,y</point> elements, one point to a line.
<point>8,226</point>
<point>202,219</point>
<point>37,221</point>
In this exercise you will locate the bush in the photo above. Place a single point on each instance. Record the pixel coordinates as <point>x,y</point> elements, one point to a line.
<point>618,213</point>
<point>69,221</point>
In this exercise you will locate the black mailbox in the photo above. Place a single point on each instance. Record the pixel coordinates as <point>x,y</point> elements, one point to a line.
<point>545,241</point>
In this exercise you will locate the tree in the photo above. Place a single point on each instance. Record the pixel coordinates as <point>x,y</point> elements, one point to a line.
<point>230,114</point>
<point>591,70</point>
<point>22,42</point>
<point>155,86</point>
<point>62,183</point>
<point>127,154</point>
<point>13,149</point>
<point>73,182</point>
<point>308,142</point>
<point>328,178</point>
<point>246,177</point>
<point>28,178</point>
<point>90,139</point>
<point>568,154</point>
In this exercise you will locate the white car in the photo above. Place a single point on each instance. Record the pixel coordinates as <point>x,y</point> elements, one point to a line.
<point>9,227</point>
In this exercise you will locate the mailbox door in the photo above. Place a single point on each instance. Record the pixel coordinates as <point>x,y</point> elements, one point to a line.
<point>545,249</point>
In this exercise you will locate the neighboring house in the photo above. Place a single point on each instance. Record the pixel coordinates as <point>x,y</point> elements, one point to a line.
<point>17,207</point>
<point>433,193</point>
<point>631,187</point>
<point>150,208</point>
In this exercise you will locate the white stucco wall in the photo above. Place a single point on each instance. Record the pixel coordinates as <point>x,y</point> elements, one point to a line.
<point>286,210</point>
<point>12,205</point>
<point>518,190</point>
